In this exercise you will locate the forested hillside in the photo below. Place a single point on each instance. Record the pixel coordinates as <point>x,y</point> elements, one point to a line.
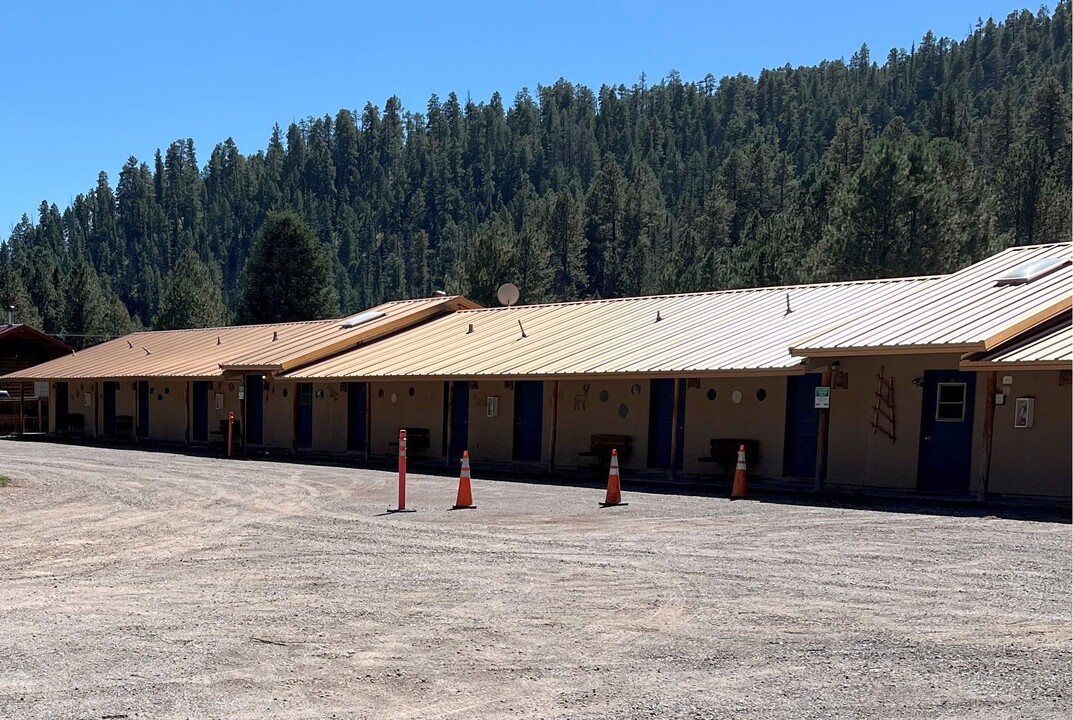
<point>918,161</point>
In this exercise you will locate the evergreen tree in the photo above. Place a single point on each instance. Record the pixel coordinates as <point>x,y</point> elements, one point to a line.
<point>943,153</point>
<point>14,293</point>
<point>287,277</point>
<point>192,298</point>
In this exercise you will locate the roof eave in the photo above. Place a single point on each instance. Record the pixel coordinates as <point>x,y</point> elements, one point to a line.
<point>250,368</point>
<point>1029,322</point>
<point>798,369</point>
<point>925,349</point>
<point>1015,365</point>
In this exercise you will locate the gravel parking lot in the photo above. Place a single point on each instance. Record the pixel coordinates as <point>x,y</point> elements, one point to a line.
<point>156,585</point>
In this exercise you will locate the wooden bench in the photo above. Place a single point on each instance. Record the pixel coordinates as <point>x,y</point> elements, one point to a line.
<point>601,445</point>
<point>124,426</point>
<point>725,452</point>
<point>76,424</point>
<point>417,440</point>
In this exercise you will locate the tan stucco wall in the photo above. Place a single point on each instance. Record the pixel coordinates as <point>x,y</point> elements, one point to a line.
<point>76,392</point>
<point>491,439</point>
<point>329,418</point>
<point>582,414</point>
<point>126,399</point>
<point>168,409</point>
<point>753,419</point>
<point>424,409</point>
<point>1035,460</point>
<point>228,387</point>
<point>856,455</point>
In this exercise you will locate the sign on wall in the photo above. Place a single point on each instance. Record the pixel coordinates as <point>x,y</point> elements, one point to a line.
<point>823,398</point>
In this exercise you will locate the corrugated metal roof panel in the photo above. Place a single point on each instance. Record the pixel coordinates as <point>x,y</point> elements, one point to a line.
<point>715,332</point>
<point>208,352</point>
<point>964,310</point>
<point>1048,347</point>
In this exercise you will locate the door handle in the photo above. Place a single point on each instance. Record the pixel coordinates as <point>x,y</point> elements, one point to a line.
<point>927,438</point>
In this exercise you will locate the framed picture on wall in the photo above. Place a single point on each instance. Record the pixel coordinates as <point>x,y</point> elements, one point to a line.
<point>1023,410</point>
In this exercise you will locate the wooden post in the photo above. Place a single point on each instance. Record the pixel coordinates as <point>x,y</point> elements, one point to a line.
<point>189,412</point>
<point>674,429</point>
<point>554,424</point>
<point>989,430</point>
<point>821,437</point>
<point>449,421</point>
<point>368,420</point>
<point>22,410</point>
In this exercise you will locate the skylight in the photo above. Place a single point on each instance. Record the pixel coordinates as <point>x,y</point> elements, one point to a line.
<point>360,318</point>
<point>1029,271</point>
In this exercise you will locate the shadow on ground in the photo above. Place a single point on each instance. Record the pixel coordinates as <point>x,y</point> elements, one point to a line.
<point>789,492</point>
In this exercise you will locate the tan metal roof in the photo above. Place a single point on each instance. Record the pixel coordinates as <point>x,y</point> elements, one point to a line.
<point>964,311</point>
<point>1049,348</point>
<point>702,333</point>
<point>209,352</point>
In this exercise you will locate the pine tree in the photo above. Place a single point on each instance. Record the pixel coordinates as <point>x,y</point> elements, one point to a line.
<point>13,293</point>
<point>287,277</point>
<point>192,297</point>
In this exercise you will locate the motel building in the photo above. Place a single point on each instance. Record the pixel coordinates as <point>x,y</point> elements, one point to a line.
<point>954,385</point>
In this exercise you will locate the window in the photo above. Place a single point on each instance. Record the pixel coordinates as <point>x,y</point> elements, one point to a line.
<point>305,393</point>
<point>950,402</point>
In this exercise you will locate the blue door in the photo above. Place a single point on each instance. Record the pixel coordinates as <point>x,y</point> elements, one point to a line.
<point>255,409</point>
<point>460,419</point>
<point>802,425</point>
<point>143,409</point>
<point>200,408</point>
<point>62,419</point>
<point>304,420</point>
<point>946,431</point>
<point>355,416</point>
<point>528,419</point>
<point>661,412</point>
<point>109,408</point>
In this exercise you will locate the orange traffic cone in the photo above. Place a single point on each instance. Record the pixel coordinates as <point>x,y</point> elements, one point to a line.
<point>464,500</point>
<point>614,491</point>
<point>740,488</point>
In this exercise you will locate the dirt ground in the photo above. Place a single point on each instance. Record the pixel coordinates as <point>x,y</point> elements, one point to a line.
<point>155,585</point>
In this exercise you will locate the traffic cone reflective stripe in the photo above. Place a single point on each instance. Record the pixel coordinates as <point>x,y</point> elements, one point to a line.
<point>614,489</point>
<point>740,488</point>
<point>464,501</point>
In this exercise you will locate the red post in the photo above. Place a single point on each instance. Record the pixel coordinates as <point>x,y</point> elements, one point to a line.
<point>402,469</point>
<point>230,431</point>
<point>402,476</point>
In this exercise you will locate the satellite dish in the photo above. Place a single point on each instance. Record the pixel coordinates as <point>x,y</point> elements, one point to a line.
<point>508,294</point>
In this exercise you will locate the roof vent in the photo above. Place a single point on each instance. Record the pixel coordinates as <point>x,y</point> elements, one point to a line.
<point>439,293</point>
<point>367,316</point>
<point>1029,271</point>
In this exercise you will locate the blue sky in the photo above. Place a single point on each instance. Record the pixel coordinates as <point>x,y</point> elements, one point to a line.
<point>86,85</point>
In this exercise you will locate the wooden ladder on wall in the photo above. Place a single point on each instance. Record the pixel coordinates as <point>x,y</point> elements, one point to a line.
<point>884,407</point>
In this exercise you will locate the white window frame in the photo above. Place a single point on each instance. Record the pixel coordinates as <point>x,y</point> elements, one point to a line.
<point>938,403</point>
